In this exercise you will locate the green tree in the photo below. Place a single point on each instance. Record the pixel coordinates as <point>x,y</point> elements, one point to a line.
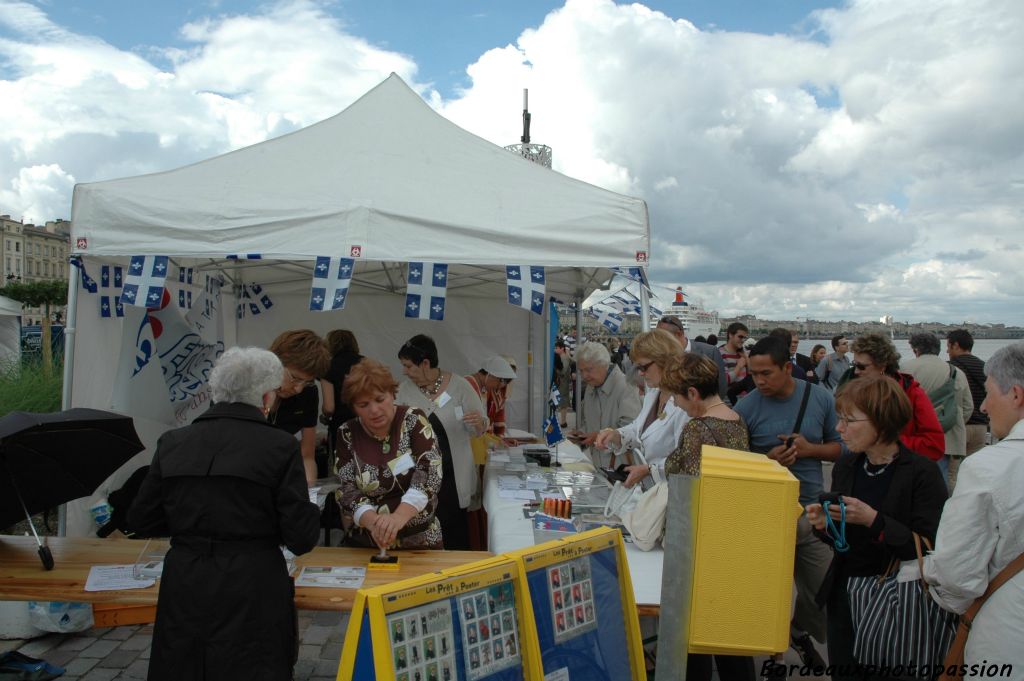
<point>40,294</point>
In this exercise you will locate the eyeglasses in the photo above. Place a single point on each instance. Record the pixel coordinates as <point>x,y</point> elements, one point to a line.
<point>644,367</point>
<point>847,420</point>
<point>672,321</point>
<point>295,381</point>
<point>858,366</point>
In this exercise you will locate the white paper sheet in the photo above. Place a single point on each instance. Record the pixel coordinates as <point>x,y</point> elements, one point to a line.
<point>331,577</point>
<point>522,494</point>
<point>115,578</point>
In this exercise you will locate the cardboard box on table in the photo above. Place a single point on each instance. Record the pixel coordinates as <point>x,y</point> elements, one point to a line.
<point>732,534</point>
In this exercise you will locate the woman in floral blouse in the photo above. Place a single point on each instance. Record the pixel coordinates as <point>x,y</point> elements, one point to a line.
<point>388,464</point>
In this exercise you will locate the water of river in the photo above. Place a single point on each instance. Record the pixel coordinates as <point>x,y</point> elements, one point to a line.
<point>983,347</point>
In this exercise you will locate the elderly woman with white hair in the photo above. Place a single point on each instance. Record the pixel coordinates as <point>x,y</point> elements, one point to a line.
<point>229,490</point>
<point>608,400</point>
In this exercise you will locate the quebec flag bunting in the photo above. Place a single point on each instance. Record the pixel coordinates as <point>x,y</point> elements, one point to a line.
<point>552,431</point>
<point>526,287</point>
<point>331,279</point>
<point>111,306</point>
<point>608,320</point>
<point>426,290</point>
<point>635,273</point>
<point>144,283</point>
<point>88,283</point>
<point>555,396</point>
<point>253,300</point>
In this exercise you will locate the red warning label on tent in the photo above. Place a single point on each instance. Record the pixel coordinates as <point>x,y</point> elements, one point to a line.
<point>81,243</point>
<point>641,257</point>
<point>356,252</point>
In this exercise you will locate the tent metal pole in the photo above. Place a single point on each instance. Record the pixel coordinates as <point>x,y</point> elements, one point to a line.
<point>645,309</point>
<point>70,322</point>
<point>578,384</point>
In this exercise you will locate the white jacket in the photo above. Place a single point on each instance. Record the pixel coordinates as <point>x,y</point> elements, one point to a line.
<point>981,531</point>
<point>661,437</point>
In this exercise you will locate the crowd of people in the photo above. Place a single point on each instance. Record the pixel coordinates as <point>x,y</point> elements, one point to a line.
<point>232,487</point>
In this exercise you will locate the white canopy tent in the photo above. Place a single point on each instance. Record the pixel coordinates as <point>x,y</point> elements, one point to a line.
<point>388,180</point>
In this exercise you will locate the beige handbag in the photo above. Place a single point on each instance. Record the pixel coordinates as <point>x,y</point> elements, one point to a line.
<point>646,522</point>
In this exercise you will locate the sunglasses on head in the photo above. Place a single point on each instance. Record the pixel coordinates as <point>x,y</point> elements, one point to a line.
<point>644,367</point>
<point>672,321</point>
<point>859,366</point>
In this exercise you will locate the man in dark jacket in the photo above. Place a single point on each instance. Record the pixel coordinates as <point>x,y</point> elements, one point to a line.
<point>675,327</point>
<point>959,344</point>
<point>229,490</point>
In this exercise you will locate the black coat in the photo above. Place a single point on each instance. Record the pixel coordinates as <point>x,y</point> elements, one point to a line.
<point>913,503</point>
<point>229,490</point>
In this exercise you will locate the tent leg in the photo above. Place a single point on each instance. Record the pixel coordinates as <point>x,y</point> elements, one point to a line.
<point>71,321</point>
<point>578,385</point>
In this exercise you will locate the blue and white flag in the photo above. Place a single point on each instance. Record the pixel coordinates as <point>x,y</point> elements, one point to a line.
<point>426,290</point>
<point>526,287</point>
<point>144,283</point>
<point>252,300</point>
<point>331,279</point>
<point>88,283</point>
<point>623,302</point>
<point>638,274</point>
<point>111,306</point>
<point>554,397</point>
<point>185,299</point>
<point>185,275</point>
<point>244,256</point>
<point>552,431</point>
<point>608,320</point>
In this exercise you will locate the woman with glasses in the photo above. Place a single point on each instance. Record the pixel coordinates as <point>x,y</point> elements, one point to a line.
<point>297,402</point>
<point>875,355</point>
<point>888,490</point>
<point>436,391</point>
<point>388,464</point>
<point>657,429</point>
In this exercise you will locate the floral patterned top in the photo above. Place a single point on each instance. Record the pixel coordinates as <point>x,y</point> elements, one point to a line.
<point>706,430</point>
<point>368,477</point>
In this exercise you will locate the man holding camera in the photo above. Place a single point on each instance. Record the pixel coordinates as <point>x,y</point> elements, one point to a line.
<point>794,423</point>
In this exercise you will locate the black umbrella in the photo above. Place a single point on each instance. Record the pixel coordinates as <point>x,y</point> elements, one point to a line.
<point>49,459</point>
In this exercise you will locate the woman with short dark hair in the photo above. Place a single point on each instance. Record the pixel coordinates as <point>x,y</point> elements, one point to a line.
<point>889,491</point>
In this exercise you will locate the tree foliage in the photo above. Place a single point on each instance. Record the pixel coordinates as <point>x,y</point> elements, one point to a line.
<point>40,294</point>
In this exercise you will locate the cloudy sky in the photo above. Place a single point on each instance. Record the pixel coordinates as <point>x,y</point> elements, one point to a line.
<point>831,160</point>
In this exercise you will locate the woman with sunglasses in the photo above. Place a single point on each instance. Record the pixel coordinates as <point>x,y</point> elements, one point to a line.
<point>297,402</point>
<point>657,429</point>
<point>875,355</point>
<point>888,491</point>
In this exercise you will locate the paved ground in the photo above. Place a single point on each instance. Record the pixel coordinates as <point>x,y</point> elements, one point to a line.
<point>122,653</point>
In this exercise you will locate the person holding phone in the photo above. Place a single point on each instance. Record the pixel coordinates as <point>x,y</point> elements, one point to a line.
<point>888,490</point>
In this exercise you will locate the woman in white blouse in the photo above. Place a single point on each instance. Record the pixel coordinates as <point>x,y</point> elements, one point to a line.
<point>450,396</point>
<point>656,431</point>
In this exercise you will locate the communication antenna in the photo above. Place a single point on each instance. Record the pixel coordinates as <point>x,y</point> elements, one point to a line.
<point>538,153</point>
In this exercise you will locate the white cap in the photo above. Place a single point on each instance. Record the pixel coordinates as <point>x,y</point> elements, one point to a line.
<point>499,367</point>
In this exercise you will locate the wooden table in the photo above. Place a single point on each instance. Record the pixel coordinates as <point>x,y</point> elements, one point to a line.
<point>22,577</point>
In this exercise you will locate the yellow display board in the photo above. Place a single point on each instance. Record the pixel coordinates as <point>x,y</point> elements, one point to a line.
<point>747,508</point>
<point>585,613</point>
<point>471,623</point>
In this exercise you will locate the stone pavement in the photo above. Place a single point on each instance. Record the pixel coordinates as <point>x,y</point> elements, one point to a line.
<point>122,653</point>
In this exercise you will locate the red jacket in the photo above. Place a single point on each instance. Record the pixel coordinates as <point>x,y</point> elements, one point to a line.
<point>924,433</point>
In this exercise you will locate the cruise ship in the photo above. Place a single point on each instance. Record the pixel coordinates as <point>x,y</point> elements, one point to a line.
<point>697,320</point>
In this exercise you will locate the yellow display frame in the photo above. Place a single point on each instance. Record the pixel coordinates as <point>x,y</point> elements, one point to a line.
<point>378,602</point>
<point>585,544</point>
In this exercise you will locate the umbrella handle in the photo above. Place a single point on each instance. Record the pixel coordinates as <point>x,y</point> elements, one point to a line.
<point>46,557</point>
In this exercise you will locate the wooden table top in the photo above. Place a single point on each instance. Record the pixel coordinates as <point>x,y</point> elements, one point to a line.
<point>22,577</point>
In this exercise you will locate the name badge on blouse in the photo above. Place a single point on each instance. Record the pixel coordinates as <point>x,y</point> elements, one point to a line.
<point>442,399</point>
<point>401,464</point>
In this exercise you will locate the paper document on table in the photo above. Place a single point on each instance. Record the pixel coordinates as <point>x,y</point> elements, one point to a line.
<point>510,482</point>
<point>332,577</point>
<point>115,578</point>
<point>521,494</point>
<point>499,458</point>
<point>515,467</point>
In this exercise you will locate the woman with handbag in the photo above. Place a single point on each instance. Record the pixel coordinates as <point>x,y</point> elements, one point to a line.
<point>885,498</point>
<point>693,382</point>
<point>388,464</point>
<point>657,429</point>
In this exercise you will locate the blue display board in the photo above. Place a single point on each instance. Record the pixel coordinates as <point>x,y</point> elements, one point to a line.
<point>473,623</point>
<point>582,600</point>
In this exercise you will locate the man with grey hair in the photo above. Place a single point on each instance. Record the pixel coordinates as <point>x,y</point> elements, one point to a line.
<point>948,390</point>
<point>982,525</point>
<point>608,401</point>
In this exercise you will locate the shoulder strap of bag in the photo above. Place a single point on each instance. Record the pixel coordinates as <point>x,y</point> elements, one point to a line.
<point>803,407</point>
<point>955,656</point>
<point>714,435</point>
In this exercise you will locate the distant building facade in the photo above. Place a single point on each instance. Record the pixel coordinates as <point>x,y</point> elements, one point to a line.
<point>35,253</point>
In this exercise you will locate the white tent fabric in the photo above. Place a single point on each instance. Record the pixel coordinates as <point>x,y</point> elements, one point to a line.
<point>10,332</point>
<point>387,175</point>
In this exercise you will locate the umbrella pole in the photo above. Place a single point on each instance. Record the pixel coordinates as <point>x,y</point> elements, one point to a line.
<point>44,551</point>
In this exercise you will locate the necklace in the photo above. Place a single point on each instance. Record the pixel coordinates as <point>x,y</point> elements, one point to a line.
<point>385,442</point>
<point>432,390</point>
<point>872,474</point>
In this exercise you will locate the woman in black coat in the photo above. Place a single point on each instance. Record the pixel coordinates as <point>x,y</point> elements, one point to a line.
<point>889,492</point>
<point>229,490</point>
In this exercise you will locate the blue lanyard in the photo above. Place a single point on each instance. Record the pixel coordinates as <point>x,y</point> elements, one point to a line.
<point>838,535</point>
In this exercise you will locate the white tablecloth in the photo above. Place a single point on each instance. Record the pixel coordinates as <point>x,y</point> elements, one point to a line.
<point>508,530</point>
